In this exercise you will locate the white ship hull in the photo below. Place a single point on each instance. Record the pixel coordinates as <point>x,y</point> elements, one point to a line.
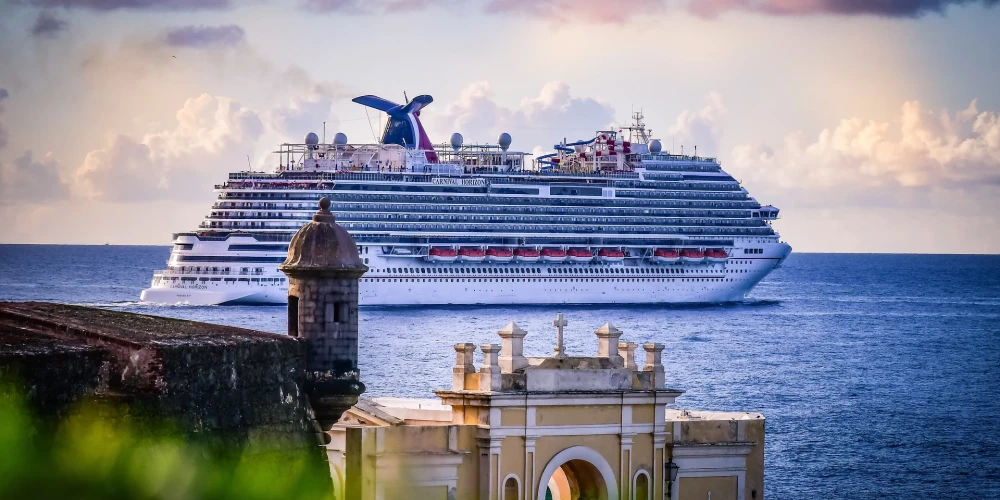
<point>387,284</point>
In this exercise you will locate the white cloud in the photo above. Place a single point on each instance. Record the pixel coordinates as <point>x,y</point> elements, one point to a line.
<point>873,161</point>
<point>300,116</point>
<point>541,120</point>
<point>212,137</point>
<point>702,128</point>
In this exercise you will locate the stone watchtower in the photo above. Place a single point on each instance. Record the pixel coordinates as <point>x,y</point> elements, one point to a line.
<point>323,269</point>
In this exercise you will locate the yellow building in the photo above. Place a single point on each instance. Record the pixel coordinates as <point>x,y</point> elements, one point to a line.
<point>560,427</point>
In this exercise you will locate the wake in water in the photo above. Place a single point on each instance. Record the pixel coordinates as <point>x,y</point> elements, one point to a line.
<point>138,305</point>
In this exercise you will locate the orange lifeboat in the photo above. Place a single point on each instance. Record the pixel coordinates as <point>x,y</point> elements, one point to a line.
<point>692,255</point>
<point>499,254</point>
<point>553,255</point>
<point>666,256</point>
<point>442,254</point>
<point>471,254</point>
<point>610,255</point>
<point>525,254</point>
<point>579,255</point>
<point>716,255</point>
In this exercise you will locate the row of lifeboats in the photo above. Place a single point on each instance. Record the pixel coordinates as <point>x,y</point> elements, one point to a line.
<point>503,255</point>
<point>692,255</point>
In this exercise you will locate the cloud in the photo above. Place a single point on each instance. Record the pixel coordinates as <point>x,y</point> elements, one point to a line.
<point>302,115</point>
<point>873,162</point>
<point>587,11</point>
<point>702,128</point>
<point>108,5</point>
<point>883,8</point>
<point>591,11</point>
<point>3,132</point>
<point>367,6</point>
<point>201,36</point>
<point>212,137</point>
<point>603,11</point>
<point>29,181</point>
<point>48,25</point>
<point>542,120</point>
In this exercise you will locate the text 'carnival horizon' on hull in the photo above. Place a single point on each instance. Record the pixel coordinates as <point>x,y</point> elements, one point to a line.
<point>607,220</point>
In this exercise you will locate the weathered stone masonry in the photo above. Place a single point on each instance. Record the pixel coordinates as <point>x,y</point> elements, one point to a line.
<point>230,386</point>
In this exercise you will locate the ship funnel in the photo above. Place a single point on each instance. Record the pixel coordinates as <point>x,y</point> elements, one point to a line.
<point>404,127</point>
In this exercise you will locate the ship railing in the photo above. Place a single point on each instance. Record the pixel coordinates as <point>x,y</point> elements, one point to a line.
<point>353,208</point>
<point>596,202</point>
<point>203,272</point>
<point>452,199</point>
<point>590,230</point>
<point>559,226</point>
<point>549,219</point>
<point>347,206</point>
<point>535,228</point>
<point>291,217</point>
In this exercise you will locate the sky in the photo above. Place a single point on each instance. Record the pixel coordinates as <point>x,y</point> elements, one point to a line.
<point>873,125</point>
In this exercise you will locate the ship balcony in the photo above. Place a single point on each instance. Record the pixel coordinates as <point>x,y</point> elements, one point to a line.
<point>207,272</point>
<point>227,208</point>
<point>532,219</point>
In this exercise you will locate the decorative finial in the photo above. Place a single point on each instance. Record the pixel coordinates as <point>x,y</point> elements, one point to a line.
<point>324,214</point>
<point>560,322</point>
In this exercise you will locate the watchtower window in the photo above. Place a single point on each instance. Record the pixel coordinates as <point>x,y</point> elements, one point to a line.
<point>293,316</point>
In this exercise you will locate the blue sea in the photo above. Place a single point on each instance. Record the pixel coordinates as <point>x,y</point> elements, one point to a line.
<point>879,375</point>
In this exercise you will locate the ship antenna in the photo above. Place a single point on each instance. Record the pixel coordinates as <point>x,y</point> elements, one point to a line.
<point>407,99</point>
<point>248,163</point>
<point>324,132</point>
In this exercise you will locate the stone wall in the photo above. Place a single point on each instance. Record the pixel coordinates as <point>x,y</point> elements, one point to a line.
<point>239,389</point>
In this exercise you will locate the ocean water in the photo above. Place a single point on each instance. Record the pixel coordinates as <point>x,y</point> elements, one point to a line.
<point>879,375</point>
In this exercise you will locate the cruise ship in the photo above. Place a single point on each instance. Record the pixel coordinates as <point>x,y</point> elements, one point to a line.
<point>610,219</point>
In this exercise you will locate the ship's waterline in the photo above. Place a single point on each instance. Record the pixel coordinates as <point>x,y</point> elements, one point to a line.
<point>392,281</point>
<point>611,219</point>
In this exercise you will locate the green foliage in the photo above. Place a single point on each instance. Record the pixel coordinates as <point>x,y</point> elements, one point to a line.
<point>101,451</point>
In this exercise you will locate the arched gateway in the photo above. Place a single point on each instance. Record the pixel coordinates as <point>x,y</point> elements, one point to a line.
<point>577,473</point>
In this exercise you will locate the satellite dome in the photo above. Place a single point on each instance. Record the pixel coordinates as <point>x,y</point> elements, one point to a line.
<point>456,141</point>
<point>340,139</point>
<point>579,148</point>
<point>655,146</point>
<point>312,139</point>
<point>504,141</point>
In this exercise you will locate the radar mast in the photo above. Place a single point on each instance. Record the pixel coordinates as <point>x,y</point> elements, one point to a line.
<point>638,133</point>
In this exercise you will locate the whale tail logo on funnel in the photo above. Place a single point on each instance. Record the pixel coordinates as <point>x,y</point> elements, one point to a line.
<point>404,127</point>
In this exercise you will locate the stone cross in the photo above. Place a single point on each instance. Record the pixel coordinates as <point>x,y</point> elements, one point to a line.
<point>560,322</point>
